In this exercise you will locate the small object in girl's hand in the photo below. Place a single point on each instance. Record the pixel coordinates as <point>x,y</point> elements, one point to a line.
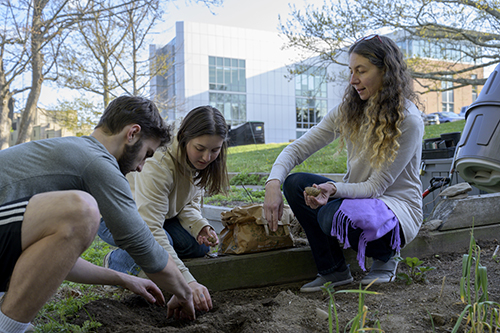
<point>314,191</point>
<point>211,240</point>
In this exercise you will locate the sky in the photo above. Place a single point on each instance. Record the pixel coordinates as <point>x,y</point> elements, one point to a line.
<point>252,14</point>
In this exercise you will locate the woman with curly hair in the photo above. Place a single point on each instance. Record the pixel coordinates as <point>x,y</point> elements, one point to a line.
<point>377,209</point>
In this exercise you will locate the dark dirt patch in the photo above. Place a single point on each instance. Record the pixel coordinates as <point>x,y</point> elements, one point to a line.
<point>399,307</point>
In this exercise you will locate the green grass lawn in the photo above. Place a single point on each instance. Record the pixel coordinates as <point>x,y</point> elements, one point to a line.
<point>260,157</point>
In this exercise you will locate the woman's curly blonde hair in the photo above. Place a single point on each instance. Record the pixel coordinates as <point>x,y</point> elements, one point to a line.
<point>373,126</point>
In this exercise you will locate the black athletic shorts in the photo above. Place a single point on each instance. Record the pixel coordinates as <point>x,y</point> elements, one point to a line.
<point>11,219</point>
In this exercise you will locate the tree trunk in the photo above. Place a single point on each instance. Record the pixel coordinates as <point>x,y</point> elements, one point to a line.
<point>37,39</point>
<point>5,121</point>
<point>105,83</point>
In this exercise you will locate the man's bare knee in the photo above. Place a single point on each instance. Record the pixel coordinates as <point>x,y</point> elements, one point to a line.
<point>83,214</point>
<point>70,214</point>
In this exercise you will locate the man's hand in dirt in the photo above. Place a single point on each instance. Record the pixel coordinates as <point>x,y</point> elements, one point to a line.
<point>201,297</point>
<point>88,273</point>
<point>143,287</point>
<point>208,236</point>
<point>273,204</point>
<point>180,310</point>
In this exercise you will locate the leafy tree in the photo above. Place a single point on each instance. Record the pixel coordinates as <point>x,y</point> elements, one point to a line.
<point>30,41</point>
<point>32,36</point>
<point>469,27</point>
<point>79,115</point>
<point>111,56</point>
<point>90,61</point>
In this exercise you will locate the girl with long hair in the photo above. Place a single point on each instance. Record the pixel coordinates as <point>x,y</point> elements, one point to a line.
<point>169,190</point>
<point>377,209</point>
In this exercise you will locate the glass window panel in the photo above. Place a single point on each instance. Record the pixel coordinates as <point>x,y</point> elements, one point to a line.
<point>227,110</point>
<point>234,111</point>
<point>317,82</point>
<point>234,62</point>
<point>211,75</point>
<point>211,61</point>
<point>310,82</point>
<point>234,76</point>
<point>304,86</point>
<point>227,75</point>
<point>220,75</point>
<point>220,61</point>
<point>244,110</point>
<point>227,62</point>
<point>242,63</point>
<point>323,90</point>
<point>309,111</point>
<point>242,80</point>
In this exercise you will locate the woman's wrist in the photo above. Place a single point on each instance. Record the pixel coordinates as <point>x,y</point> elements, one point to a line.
<point>333,189</point>
<point>272,182</point>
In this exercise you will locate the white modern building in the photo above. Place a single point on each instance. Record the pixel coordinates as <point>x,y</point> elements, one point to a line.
<point>245,74</point>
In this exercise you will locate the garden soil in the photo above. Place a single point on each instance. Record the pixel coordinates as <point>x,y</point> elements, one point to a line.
<point>283,308</point>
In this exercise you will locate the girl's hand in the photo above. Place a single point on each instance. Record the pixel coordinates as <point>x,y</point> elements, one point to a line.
<point>201,297</point>
<point>207,236</point>
<point>327,190</point>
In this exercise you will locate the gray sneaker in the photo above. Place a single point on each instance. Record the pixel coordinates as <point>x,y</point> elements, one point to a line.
<point>381,272</point>
<point>336,279</point>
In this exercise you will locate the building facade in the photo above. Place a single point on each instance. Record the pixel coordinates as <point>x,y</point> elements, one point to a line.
<point>244,73</point>
<point>442,56</point>
<point>44,127</point>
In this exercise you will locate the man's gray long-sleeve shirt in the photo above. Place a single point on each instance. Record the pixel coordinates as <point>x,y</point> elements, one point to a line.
<point>72,163</point>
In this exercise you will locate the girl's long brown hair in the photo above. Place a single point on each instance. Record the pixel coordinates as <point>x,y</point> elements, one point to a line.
<point>373,126</point>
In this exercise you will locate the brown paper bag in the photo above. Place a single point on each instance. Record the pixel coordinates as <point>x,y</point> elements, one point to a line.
<point>246,231</point>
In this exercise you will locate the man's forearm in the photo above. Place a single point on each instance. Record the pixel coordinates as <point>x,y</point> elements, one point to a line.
<point>88,273</point>
<point>171,280</point>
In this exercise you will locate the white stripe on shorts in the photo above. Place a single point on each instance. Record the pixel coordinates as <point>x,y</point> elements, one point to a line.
<point>12,213</point>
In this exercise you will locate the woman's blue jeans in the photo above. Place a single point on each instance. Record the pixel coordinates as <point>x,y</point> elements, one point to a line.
<point>317,224</point>
<point>183,243</point>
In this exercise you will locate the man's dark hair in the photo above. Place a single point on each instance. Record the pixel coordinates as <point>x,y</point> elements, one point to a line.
<point>126,110</point>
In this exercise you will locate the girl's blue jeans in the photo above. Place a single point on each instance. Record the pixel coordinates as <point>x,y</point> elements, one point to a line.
<point>183,243</point>
<point>317,224</point>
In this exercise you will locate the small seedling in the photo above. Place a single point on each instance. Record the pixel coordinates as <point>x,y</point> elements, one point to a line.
<point>480,314</point>
<point>417,273</point>
<point>357,324</point>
